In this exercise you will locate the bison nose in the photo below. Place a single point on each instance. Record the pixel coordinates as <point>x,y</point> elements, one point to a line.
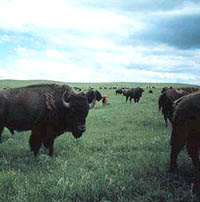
<point>82,128</point>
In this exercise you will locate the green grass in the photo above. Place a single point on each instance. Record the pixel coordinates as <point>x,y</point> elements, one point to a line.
<point>123,156</point>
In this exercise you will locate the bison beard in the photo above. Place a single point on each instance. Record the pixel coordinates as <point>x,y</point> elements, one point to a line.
<point>48,110</point>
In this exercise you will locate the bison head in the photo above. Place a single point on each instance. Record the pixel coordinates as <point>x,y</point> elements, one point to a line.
<point>77,108</point>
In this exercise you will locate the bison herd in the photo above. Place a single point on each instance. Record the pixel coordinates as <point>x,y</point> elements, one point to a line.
<point>49,110</point>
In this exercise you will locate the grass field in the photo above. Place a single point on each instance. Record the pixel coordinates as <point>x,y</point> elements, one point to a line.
<point>123,157</point>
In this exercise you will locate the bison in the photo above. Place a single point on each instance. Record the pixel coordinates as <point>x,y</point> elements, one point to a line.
<point>48,110</point>
<point>166,99</point>
<point>186,130</point>
<point>133,93</point>
<point>164,89</point>
<point>105,100</point>
<point>93,93</point>
<point>119,91</point>
<point>165,102</point>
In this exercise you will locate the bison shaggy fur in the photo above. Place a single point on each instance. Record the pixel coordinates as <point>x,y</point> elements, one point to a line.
<point>186,130</point>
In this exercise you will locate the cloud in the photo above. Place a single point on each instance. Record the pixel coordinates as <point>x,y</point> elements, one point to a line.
<point>178,27</point>
<point>27,16</point>
<point>93,41</point>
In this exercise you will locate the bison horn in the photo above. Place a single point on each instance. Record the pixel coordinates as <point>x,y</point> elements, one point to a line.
<point>91,105</point>
<point>66,104</point>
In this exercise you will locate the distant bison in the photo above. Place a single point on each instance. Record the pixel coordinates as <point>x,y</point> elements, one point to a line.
<point>93,93</point>
<point>118,91</point>
<point>105,100</point>
<point>186,130</point>
<point>133,93</point>
<point>48,110</point>
<point>188,90</point>
<point>166,88</point>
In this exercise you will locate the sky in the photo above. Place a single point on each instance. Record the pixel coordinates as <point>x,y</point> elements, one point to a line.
<point>100,41</point>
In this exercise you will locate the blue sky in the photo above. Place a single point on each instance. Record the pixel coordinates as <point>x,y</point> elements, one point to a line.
<point>100,41</point>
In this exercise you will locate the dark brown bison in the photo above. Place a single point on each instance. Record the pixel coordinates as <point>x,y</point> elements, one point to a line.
<point>165,102</point>
<point>188,90</point>
<point>166,99</point>
<point>119,91</point>
<point>166,88</point>
<point>186,130</point>
<point>48,110</point>
<point>133,93</point>
<point>93,93</point>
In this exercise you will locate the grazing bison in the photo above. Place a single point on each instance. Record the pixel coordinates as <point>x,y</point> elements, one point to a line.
<point>93,93</point>
<point>48,110</point>
<point>119,91</point>
<point>133,93</point>
<point>186,130</point>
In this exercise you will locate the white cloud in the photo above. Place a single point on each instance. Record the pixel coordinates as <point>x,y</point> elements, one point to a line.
<point>85,44</point>
<point>70,72</point>
<point>59,14</point>
<point>109,63</point>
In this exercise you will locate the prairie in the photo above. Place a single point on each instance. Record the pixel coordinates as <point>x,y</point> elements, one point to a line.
<point>123,156</point>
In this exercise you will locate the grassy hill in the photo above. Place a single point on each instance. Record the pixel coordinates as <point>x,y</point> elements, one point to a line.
<point>123,156</point>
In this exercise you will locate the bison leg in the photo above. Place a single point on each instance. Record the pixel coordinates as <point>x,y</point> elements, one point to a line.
<point>178,141</point>
<point>35,142</point>
<point>175,150</point>
<point>48,139</point>
<point>192,148</point>
<point>126,98</point>
<point>48,143</point>
<point>1,131</point>
<point>165,118</point>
